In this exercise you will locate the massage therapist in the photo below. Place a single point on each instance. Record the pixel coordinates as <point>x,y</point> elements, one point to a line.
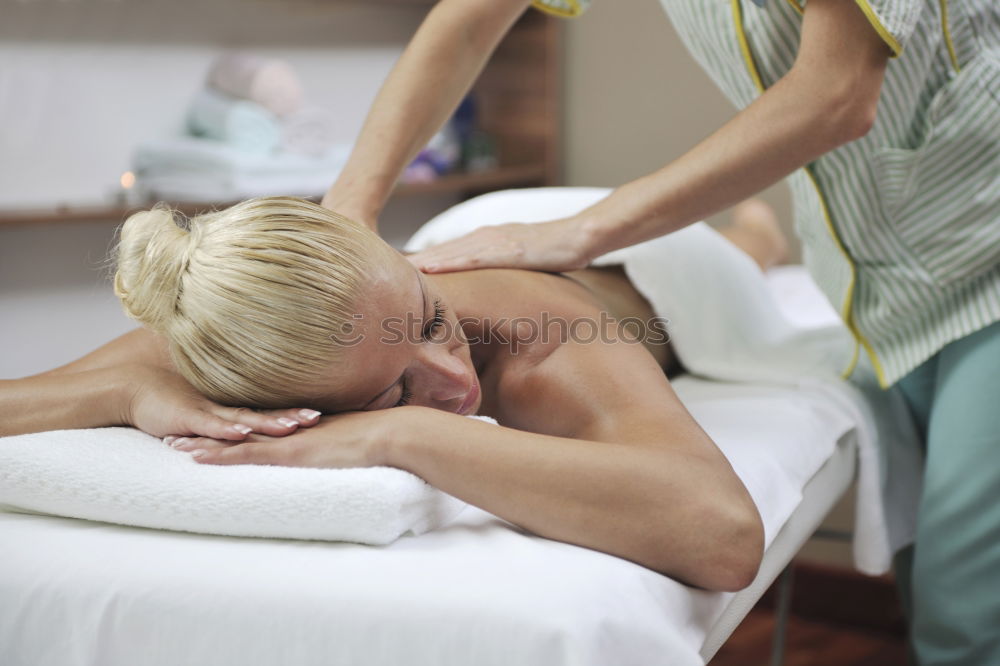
<point>884,117</point>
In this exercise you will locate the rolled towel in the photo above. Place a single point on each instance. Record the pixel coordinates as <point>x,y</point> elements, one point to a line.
<point>271,83</point>
<point>236,122</point>
<point>309,131</point>
<point>124,476</point>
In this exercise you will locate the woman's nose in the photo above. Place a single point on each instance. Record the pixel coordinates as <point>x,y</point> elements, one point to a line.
<point>450,377</point>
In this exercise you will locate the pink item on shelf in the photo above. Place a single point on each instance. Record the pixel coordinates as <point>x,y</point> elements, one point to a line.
<point>271,83</point>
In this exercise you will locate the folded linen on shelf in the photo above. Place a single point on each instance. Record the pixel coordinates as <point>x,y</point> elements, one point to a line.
<point>199,170</point>
<point>239,123</point>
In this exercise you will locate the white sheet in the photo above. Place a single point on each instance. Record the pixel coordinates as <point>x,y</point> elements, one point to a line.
<point>477,591</point>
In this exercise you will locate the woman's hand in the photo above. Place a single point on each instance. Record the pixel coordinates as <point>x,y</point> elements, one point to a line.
<point>349,439</point>
<point>161,402</point>
<point>553,246</point>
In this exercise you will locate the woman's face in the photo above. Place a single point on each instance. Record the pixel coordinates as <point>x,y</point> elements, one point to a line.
<point>408,349</point>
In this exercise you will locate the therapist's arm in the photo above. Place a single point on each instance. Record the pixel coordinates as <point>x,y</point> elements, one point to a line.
<point>827,99</point>
<point>435,71</point>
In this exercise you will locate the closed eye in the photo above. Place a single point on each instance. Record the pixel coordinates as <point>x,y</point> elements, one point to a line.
<point>405,396</point>
<point>436,322</point>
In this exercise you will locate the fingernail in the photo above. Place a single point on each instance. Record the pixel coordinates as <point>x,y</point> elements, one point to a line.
<point>242,429</point>
<point>180,441</point>
<point>198,453</point>
<point>431,267</point>
<point>169,438</point>
<point>288,423</point>
<point>309,414</point>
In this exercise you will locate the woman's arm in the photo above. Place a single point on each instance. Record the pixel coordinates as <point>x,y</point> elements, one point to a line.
<point>431,77</point>
<point>140,345</point>
<point>651,497</point>
<point>827,99</point>
<point>131,381</point>
<point>600,453</point>
<point>86,399</point>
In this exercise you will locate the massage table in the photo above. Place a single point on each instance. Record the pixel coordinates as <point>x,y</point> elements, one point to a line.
<point>477,591</point>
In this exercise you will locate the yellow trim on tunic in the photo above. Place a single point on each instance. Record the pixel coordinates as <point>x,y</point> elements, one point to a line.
<point>846,311</point>
<point>565,8</point>
<point>886,36</point>
<point>797,6</point>
<point>947,36</point>
<point>745,45</point>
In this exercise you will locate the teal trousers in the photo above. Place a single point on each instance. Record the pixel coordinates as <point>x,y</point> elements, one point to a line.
<point>949,580</point>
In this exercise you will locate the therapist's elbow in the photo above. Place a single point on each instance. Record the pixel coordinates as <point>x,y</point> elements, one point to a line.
<point>840,109</point>
<point>859,120</point>
<point>846,116</point>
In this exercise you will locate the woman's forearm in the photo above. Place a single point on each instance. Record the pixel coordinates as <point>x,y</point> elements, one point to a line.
<point>423,89</point>
<point>137,346</point>
<point>87,399</point>
<point>680,514</point>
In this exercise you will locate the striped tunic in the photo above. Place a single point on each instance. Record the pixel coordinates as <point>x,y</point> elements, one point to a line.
<point>901,228</point>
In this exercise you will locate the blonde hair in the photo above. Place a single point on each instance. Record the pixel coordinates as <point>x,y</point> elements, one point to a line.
<point>254,300</point>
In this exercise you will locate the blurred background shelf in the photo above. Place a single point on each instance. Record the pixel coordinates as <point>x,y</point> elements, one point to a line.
<point>518,105</point>
<point>462,185</point>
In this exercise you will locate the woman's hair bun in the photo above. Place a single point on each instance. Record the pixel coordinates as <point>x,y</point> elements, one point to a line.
<point>152,256</point>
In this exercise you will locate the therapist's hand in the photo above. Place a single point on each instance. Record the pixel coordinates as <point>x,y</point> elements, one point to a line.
<point>553,246</point>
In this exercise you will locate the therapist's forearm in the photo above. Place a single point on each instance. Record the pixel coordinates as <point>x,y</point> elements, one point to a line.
<point>792,124</point>
<point>435,71</point>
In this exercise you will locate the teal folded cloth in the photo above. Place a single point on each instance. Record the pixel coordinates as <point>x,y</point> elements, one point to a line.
<point>239,123</point>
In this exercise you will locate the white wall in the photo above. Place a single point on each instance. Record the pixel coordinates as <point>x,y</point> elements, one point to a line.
<point>82,81</point>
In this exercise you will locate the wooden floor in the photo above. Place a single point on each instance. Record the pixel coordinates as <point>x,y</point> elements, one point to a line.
<point>810,643</point>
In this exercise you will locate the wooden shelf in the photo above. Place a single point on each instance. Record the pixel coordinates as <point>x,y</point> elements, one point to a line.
<point>461,184</point>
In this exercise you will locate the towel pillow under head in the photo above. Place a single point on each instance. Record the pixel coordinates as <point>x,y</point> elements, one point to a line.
<point>124,476</point>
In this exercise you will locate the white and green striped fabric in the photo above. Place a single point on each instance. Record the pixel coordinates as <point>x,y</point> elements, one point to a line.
<point>901,228</point>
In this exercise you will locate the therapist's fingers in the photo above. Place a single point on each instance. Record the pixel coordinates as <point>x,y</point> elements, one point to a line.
<point>547,246</point>
<point>488,247</point>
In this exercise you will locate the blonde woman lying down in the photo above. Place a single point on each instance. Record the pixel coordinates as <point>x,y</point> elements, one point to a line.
<point>278,332</point>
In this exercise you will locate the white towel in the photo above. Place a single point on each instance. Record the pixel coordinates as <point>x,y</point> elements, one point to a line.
<point>725,325</point>
<point>191,169</point>
<point>236,122</point>
<point>124,476</point>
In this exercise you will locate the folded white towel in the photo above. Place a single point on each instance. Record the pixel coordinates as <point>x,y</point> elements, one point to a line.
<point>191,169</point>
<point>239,123</point>
<point>724,324</point>
<point>124,476</point>
<point>189,154</point>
